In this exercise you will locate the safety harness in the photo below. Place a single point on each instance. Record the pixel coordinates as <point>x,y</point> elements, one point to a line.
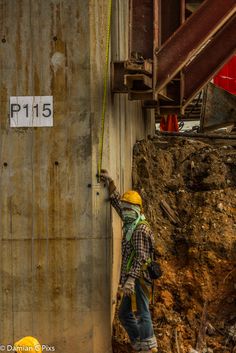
<point>132,255</point>
<point>147,290</point>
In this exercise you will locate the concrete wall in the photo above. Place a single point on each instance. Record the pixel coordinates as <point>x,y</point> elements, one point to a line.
<point>58,266</point>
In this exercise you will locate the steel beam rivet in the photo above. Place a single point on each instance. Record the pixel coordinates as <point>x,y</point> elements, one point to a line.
<point>5,164</point>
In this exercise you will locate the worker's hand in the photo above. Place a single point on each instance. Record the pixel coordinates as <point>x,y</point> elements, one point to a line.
<point>128,288</point>
<point>105,177</point>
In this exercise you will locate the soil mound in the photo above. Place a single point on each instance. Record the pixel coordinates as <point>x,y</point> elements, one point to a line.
<point>189,194</point>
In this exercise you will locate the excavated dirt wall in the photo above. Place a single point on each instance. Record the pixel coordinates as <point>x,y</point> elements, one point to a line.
<point>189,194</point>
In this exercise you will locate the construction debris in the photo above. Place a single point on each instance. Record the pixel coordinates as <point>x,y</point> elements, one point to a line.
<point>189,194</point>
<point>169,212</point>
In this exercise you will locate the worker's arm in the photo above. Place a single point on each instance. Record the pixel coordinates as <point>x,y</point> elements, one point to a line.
<point>113,192</point>
<point>141,244</point>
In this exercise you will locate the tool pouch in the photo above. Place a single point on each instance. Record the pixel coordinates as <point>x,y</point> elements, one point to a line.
<point>154,270</point>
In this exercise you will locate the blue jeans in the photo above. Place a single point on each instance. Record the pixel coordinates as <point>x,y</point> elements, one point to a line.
<point>139,326</point>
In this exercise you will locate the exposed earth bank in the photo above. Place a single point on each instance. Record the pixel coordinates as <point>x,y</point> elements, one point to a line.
<point>189,194</point>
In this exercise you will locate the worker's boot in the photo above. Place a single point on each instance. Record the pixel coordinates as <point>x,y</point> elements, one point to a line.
<point>152,350</point>
<point>136,346</point>
<point>149,345</point>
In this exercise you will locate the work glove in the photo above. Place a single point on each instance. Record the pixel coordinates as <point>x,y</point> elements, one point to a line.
<point>107,179</point>
<point>105,176</point>
<point>128,288</point>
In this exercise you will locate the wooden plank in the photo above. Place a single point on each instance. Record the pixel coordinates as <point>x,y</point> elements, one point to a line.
<point>169,212</point>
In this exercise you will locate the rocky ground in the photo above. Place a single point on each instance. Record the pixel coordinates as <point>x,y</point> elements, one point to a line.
<point>189,193</point>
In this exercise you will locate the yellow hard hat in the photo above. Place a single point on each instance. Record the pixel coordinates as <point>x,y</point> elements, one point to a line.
<point>28,344</point>
<point>132,197</point>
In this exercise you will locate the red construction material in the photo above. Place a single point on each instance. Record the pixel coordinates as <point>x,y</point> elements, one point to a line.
<point>226,77</point>
<point>169,123</point>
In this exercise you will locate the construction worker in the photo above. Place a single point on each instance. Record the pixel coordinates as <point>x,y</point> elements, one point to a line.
<point>136,284</point>
<point>28,344</point>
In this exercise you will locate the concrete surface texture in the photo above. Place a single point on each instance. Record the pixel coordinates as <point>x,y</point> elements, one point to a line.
<point>59,263</point>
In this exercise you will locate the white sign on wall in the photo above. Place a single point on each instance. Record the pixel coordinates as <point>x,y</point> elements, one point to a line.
<point>26,111</point>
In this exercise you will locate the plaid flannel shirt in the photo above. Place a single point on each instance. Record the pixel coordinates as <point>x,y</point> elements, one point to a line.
<point>142,242</point>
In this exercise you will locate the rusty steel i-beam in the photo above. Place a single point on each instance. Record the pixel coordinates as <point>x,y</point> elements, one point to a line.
<point>217,52</point>
<point>190,37</point>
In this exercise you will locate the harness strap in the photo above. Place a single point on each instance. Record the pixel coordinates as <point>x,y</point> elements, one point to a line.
<point>132,255</point>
